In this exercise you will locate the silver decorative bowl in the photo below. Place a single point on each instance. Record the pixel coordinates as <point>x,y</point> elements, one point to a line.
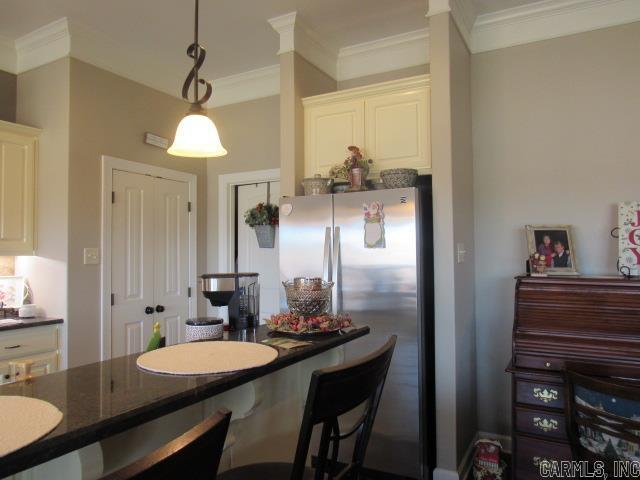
<point>308,301</point>
<point>399,177</point>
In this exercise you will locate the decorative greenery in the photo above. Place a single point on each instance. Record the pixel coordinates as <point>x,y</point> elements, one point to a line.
<point>262,214</point>
<point>354,160</point>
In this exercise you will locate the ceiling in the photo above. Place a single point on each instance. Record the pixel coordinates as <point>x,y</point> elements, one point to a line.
<point>235,33</point>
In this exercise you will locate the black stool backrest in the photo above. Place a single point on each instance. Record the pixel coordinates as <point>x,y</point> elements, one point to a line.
<point>194,454</point>
<point>333,392</point>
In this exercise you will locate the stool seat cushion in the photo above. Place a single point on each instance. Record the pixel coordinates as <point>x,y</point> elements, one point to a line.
<point>271,471</point>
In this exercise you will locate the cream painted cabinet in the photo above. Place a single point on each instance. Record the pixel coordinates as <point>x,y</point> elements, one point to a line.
<point>18,158</point>
<point>38,346</point>
<point>389,121</point>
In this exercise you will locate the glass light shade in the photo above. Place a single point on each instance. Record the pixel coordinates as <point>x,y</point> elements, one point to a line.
<point>197,136</point>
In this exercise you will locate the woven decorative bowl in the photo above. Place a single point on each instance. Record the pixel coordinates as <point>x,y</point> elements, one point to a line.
<point>399,177</point>
<point>308,301</point>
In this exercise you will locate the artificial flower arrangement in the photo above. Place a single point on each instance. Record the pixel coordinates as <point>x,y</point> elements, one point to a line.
<point>354,160</point>
<point>262,214</point>
<point>299,324</point>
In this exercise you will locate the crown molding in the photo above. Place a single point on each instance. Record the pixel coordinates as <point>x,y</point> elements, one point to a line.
<point>386,54</point>
<point>298,36</point>
<point>462,12</point>
<point>44,45</point>
<point>549,19</point>
<point>8,57</point>
<point>258,83</point>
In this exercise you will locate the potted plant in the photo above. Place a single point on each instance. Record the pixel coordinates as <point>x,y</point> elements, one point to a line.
<point>354,169</point>
<point>263,218</point>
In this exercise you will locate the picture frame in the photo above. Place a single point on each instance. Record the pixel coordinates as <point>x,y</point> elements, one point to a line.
<point>12,291</point>
<point>556,243</point>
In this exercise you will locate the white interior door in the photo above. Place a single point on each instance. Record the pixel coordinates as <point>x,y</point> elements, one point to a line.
<point>171,266</point>
<point>132,255</point>
<point>150,260</point>
<point>252,258</point>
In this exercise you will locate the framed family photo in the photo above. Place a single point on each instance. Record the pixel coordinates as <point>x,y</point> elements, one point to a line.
<point>553,243</point>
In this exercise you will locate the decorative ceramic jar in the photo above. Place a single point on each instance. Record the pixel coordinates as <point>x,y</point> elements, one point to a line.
<point>399,177</point>
<point>204,328</point>
<point>317,185</point>
<point>357,177</point>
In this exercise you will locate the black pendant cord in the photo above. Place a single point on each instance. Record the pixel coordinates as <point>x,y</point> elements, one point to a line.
<point>198,53</point>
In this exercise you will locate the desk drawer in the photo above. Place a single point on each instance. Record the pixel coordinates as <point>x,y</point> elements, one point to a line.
<point>530,452</point>
<point>26,341</point>
<point>539,363</point>
<point>540,422</point>
<point>539,394</point>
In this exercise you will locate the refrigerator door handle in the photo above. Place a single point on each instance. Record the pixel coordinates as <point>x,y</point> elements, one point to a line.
<point>326,261</point>
<point>334,275</point>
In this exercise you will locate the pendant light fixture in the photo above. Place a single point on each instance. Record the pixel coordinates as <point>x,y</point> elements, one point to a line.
<point>196,135</point>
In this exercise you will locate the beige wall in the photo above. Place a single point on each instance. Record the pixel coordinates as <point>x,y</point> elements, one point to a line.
<point>383,77</point>
<point>43,102</point>
<point>109,116</point>
<point>298,79</point>
<point>250,131</point>
<point>556,140</point>
<point>8,87</point>
<point>453,223</point>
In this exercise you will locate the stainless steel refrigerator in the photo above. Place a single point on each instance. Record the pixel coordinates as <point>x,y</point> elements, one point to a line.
<point>377,247</point>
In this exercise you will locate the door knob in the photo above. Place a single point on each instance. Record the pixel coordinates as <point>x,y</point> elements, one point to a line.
<point>159,308</point>
<point>148,310</point>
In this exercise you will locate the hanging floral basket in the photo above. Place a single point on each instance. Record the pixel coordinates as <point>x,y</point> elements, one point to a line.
<point>263,218</point>
<point>266,235</point>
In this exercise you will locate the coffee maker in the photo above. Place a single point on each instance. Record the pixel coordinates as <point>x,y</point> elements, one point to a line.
<point>240,292</point>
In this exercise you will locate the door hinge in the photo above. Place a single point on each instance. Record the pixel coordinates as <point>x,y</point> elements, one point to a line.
<point>189,292</point>
<point>113,197</point>
<point>113,299</point>
<point>188,206</point>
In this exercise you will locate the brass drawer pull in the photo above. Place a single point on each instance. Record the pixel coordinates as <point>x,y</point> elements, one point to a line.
<point>537,461</point>
<point>545,395</point>
<point>545,424</point>
<point>547,364</point>
<point>12,347</point>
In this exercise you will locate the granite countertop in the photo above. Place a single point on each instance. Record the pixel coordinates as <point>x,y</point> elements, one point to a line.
<point>104,398</point>
<point>27,322</point>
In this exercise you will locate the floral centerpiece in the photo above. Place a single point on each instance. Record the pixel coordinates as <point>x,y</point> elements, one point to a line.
<point>354,168</point>
<point>263,218</point>
<point>298,324</point>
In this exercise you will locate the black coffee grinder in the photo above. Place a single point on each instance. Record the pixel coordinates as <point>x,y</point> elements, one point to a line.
<point>240,292</point>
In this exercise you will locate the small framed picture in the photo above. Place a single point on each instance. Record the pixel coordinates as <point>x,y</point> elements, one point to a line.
<point>11,291</point>
<point>555,244</point>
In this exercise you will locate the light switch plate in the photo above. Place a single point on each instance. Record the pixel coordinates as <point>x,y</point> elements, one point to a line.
<point>461,252</point>
<point>91,256</point>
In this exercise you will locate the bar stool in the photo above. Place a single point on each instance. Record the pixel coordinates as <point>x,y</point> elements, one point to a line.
<point>194,454</point>
<point>332,392</point>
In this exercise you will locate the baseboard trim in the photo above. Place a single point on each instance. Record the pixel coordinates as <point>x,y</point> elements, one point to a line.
<point>443,474</point>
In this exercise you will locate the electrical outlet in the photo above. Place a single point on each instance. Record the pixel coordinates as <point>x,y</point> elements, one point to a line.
<point>461,252</point>
<point>91,256</point>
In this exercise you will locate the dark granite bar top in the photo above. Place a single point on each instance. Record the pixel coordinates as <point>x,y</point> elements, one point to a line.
<point>28,322</point>
<point>104,398</point>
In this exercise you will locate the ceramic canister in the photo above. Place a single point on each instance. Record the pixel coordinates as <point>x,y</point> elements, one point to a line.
<point>204,328</point>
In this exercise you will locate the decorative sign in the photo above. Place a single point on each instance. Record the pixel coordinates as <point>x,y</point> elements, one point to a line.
<point>374,225</point>
<point>11,291</point>
<point>629,238</point>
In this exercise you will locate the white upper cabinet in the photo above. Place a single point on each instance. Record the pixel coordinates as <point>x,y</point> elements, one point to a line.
<point>389,121</point>
<point>18,158</point>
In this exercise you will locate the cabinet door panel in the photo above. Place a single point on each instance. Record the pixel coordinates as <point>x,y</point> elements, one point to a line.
<point>397,130</point>
<point>330,129</point>
<point>17,194</point>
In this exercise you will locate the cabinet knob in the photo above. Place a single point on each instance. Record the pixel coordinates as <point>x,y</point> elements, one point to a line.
<point>547,364</point>
<point>148,310</point>
<point>159,308</point>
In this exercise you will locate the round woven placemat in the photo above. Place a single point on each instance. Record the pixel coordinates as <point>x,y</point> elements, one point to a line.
<point>207,358</point>
<point>23,420</point>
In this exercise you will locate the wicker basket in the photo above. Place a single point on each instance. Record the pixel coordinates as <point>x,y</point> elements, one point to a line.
<point>266,235</point>
<point>399,177</point>
<point>308,301</point>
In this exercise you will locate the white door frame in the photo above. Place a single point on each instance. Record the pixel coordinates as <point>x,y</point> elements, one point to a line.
<point>226,209</point>
<point>109,164</point>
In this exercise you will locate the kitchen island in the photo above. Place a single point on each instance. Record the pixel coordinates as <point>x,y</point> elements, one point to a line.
<point>115,412</point>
